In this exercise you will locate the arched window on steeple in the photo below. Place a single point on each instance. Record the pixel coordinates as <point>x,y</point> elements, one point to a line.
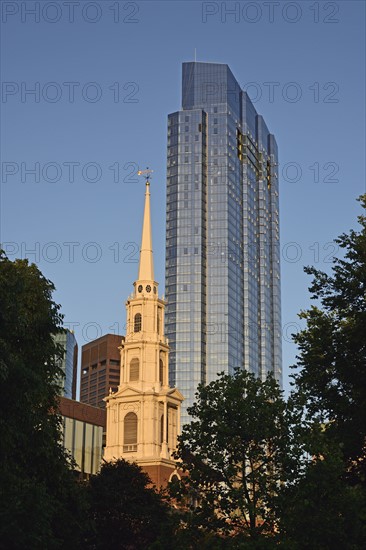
<point>137,322</point>
<point>134,370</point>
<point>130,433</point>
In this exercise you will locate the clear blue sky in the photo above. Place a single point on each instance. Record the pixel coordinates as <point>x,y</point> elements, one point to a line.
<point>303,64</point>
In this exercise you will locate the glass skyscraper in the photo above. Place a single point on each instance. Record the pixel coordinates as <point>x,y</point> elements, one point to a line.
<point>68,363</point>
<point>222,242</point>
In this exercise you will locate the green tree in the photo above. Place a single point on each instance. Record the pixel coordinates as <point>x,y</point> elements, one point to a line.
<point>40,501</point>
<point>238,451</point>
<point>331,379</point>
<point>326,507</point>
<point>321,510</point>
<point>125,509</point>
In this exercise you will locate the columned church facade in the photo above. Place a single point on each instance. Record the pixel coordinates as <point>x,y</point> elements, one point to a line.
<point>143,416</point>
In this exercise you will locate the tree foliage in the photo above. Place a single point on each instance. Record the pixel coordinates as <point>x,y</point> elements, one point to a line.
<point>322,511</point>
<point>331,378</point>
<point>326,507</point>
<point>40,501</point>
<point>125,509</point>
<point>238,450</point>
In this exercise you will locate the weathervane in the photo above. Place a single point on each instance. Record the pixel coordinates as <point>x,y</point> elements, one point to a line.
<point>146,173</point>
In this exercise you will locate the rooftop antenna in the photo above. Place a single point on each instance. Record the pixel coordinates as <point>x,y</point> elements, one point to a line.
<point>146,173</point>
<point>195,55</point>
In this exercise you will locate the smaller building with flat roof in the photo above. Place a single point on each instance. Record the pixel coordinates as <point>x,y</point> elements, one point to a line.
<point>83,427</point>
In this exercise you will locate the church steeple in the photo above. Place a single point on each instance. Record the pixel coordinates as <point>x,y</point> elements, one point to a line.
<point>146,265</point>
<point>143,416</point>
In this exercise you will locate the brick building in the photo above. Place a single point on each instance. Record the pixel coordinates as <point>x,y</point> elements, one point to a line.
<point>100,369</point>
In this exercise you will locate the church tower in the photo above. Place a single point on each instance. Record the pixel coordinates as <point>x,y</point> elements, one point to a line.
<point>143,416</point>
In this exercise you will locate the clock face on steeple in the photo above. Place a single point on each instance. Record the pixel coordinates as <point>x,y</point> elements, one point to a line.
<point>148,288</point>
<point>139,288</point>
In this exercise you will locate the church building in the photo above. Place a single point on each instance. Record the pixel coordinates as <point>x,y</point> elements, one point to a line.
<point>143,415</point>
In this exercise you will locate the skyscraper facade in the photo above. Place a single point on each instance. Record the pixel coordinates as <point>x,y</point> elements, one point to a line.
<point>68,363</point>
<point>222,243</point>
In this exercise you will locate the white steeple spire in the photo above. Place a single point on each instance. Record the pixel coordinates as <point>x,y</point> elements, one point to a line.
<point>146,265</point>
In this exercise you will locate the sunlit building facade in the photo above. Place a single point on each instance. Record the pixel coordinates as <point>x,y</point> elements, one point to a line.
<point>222,244</point>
